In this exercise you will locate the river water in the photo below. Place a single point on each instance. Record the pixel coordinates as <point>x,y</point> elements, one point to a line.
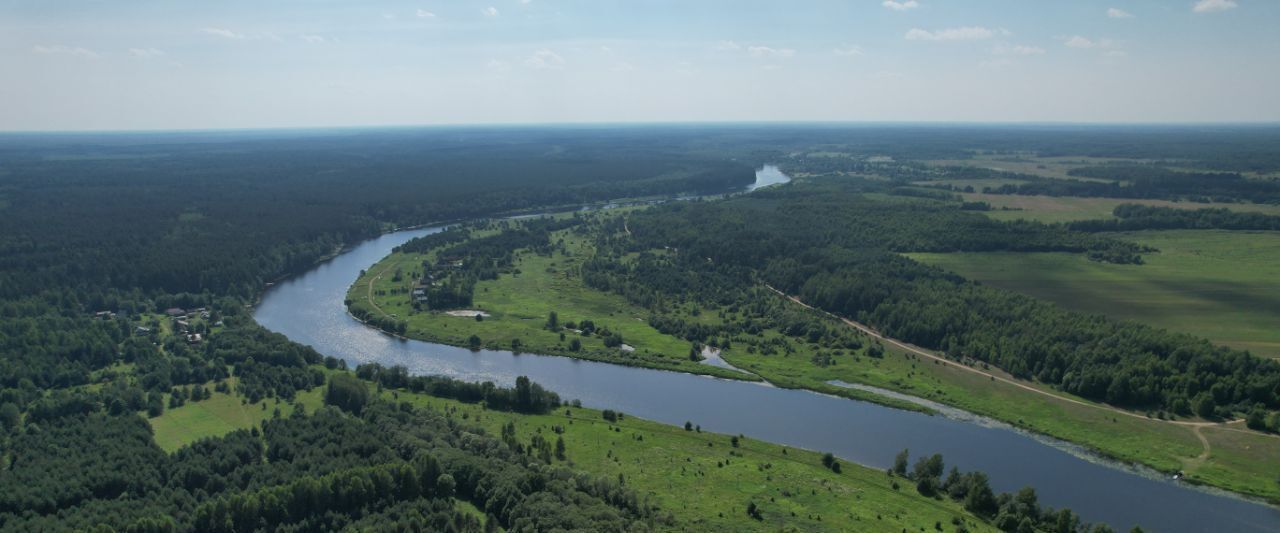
<point>309,309</point>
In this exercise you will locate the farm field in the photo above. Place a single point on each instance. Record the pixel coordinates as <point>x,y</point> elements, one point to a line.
<point>1051,209</point>
<point>1215,284</point>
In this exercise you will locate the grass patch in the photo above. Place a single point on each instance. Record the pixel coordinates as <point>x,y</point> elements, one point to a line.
<point>518,306</point>
<point>221,414</point>
<point>706,482</point>
<point>1215,284</point>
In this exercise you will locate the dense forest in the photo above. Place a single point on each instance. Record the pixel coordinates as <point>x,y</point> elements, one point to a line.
<point>836,248</point>
<point>127,261</point>
<point>1133,217</point>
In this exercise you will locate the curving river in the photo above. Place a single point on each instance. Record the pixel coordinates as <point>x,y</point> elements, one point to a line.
<point>309,309</point>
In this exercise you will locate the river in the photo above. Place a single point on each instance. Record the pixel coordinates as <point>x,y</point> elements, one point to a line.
<point>309,309</point>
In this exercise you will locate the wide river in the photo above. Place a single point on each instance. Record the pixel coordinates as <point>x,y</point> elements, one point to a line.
<point>309,309</point>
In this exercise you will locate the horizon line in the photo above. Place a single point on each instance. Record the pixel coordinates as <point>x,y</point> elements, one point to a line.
<point>588,124</point>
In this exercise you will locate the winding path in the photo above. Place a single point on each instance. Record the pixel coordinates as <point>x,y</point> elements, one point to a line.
<point>1195,427</point>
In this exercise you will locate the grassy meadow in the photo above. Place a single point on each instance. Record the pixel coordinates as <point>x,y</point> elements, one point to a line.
<point>701,478</point>
<point>1220,285</point>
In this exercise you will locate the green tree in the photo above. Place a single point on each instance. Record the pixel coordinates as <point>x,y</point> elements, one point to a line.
<point>575,345</point>
<point>10,417</point>
<point>553,321</point>
<point>900,462</point>
<point>347,393</point>
<point>1204,405</point>
<point>445,486</point>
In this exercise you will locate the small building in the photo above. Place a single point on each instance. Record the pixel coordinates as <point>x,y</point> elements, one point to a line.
<point>174,311</point>
<point>194,338</point>
<point>141,331</point>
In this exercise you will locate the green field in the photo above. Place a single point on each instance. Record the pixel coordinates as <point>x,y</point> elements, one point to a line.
<point>1221,285</point>
<point>701,478</point>
<point>706,483</point>
<point>1051,209</point>
<point>221,414</point>
<point>518,306</point>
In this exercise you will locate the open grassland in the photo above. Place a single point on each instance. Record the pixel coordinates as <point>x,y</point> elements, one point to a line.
<point>518,306</point>
<point>1045,167</point>
<point>222,413</point>
<point>707,483</point>
<point>701,478</point>
<point>1221,285</point>
<point>1051,209</point>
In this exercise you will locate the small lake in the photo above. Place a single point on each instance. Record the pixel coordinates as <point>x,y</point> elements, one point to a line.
<point>309,309</point>
<point>768,175</point>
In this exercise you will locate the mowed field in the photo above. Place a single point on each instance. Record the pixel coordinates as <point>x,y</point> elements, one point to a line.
<point>1222,285</point>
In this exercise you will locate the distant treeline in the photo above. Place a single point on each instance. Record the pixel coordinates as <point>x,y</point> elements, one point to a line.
<point>1148,182</point>
<point>1133,217</point>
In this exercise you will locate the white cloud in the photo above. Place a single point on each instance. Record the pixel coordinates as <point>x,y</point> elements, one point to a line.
<point>544,59</point>
<point>313,39</point>
<point>900,6</point>
<point>848,52</point>
<point>1078,41</point>
<point>1117,13</point>
<point>1211,6</point>
<point>224,33</point>
<point>424,14</point>
<point>623,66</point>
<point>1018,50</point>
<point>145,52</point>
<point>726,46</point>
<point>765,51</point>
<point>59,49</point>
<point>967,33</point>
<point>490,11</point>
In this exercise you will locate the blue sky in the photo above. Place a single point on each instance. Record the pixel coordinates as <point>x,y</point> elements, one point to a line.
<point>164,64</point>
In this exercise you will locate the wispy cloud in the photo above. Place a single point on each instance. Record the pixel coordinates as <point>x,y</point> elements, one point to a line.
<point>1018,50</point>
<point>728,46</point>
<point>1213,6</point>
<point>900,6</point>
<point>490,11</point>
<point>1117,13</point>
<point>313,39</point>
<point>1082,42</point>
<point>59,49</point>
<point>544,59</point>
<point>765,51</point>
<point>145,52</point>
<point>848,52</point>
<point>224,33</point>
<point>966,33</point>
<point>424,14</point>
